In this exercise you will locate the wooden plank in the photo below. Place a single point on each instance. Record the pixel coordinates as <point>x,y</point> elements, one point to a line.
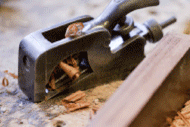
<point>156,89</point>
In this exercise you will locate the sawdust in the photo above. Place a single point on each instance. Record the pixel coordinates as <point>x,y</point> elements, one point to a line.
<point>96,97</point>
<point>183,118</point>
<point>102,93</point>
<point>90,98</point>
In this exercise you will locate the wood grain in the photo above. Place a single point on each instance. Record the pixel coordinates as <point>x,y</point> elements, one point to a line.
<point>155,90</point>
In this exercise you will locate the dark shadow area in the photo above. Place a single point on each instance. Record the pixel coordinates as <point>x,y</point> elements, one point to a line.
<point>89,82</point>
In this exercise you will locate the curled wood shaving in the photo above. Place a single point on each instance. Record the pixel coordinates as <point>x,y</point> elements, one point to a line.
<point>74,30</point>
<point>72,61</point>
<point>72,72</point>
<point>5,82</point>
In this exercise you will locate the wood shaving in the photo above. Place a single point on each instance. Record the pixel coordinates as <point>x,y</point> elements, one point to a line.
<point>73,102</point>
<point>72,61</point>
<point>11,74</point>
<point>187,103</point>
<point>79,106</point>
<point>74,30</point>
<point>75,96</point>
<point>52,83</point>
<point>183,118</point>
<point>75,106</point>
<point>5,82</point>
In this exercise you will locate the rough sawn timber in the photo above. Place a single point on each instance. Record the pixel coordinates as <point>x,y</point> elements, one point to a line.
<point>155,90</point>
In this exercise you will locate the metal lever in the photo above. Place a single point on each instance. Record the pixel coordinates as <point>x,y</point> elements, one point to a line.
<point>151,30</point>
<point>118,9</point>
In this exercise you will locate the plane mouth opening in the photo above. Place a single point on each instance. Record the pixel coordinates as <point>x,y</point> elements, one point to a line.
<point>68,71</point>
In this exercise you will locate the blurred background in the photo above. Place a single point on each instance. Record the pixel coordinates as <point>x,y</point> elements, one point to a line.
<point>19,18</point>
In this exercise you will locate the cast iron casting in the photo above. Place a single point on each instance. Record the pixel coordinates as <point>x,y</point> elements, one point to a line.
<point>110,44</point>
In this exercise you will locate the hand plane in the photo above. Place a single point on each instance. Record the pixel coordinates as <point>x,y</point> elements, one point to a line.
<point>53,59</point>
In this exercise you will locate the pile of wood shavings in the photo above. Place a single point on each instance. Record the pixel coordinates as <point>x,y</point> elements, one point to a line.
<point>75,102</point>
<point>183,118</point>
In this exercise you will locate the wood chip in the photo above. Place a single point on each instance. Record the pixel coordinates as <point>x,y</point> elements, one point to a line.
<point>6,71</point>
<point>183,118</point>
<point>75,96</point>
